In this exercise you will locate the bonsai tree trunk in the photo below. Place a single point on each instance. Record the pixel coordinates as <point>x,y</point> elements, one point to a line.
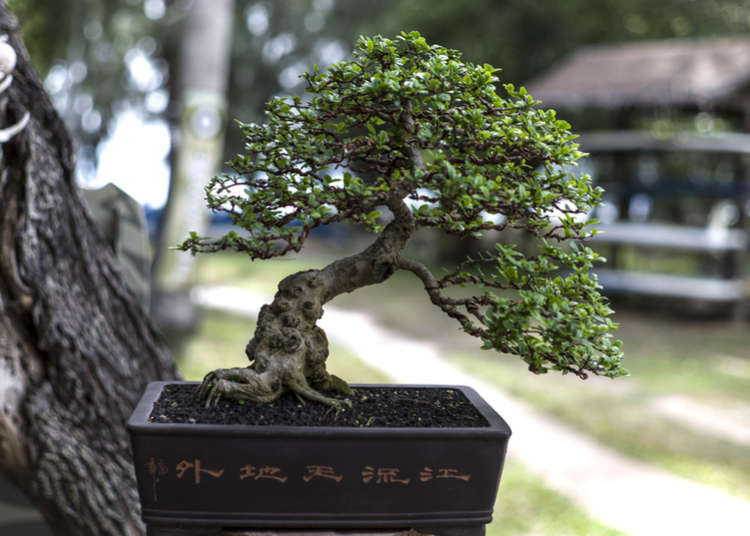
<point>288,350</point>
<point>76,348</point>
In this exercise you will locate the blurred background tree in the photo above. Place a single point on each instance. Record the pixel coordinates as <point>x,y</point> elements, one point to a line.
<point>103,58</point>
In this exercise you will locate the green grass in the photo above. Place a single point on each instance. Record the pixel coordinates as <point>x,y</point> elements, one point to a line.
<point>238,270</point>
<point>219,343</point>
<point>525,506</point>
<point>686,356</point>
<point>620,416</point>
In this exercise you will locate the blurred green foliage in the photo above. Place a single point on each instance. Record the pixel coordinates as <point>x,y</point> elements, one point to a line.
<point>527,38</point>
<point>42,30</point>
<point>276,41</point>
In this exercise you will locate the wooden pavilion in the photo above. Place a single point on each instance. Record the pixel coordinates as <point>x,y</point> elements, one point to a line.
<point>651,79</point>
<point>701,74</point>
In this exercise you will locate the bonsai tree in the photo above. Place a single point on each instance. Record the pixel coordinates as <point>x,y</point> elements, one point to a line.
<point>405,136</point>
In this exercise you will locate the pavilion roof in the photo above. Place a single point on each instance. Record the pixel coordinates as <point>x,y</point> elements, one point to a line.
<point>674,73</point>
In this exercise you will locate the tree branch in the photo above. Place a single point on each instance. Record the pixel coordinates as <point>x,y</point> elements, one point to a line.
<point>446,304</point>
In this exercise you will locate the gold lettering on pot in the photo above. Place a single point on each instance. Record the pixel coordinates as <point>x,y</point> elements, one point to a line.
<point>185,466</point>
<point>263,472</point>
<point>322,471</point>
<point>428,474</point>
<point>157,469</point>
<point>383,475</point>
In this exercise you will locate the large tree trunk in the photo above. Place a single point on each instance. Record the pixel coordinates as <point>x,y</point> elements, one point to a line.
<point>76,348</point>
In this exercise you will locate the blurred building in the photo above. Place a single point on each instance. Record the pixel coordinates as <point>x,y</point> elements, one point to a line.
<point>666,124</point>
<point>710,75</point>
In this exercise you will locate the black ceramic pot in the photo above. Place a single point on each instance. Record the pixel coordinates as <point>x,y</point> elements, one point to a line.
<point>193,477</point>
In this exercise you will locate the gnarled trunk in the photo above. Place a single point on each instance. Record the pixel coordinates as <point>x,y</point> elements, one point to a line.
<point>288,350</point>
<point>76,348</point>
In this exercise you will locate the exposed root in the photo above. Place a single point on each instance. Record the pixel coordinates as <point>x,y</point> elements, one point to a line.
<point>247,384</point>
<point>238,384</point>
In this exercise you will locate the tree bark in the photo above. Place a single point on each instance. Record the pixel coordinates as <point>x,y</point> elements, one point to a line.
<point>76,348</point>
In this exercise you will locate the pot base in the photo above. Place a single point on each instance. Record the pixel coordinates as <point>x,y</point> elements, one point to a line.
<point>213,531</point>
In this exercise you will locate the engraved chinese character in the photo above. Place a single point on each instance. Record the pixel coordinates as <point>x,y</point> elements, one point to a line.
<point>383,475</point>
<point>368,474</point>
<point>249,471</point>
<point>185,466</point>
<point>272,473</point>
<point>322,471</point>
<point>452,473</point>
<point>157,469</point>
<point>264,472</point>
<point>426,474</point>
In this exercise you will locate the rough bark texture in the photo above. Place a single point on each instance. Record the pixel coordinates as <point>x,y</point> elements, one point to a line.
<point>76,348</point>
<point>288,350</point>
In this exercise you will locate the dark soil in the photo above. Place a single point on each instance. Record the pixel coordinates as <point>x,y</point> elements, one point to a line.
<point>392,407</point>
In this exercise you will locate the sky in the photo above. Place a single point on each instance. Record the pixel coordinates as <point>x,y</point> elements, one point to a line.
<point>134,158</point>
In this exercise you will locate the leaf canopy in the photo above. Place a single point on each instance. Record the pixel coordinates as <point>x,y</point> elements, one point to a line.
<point>486,161</point>
<point>408,121</point>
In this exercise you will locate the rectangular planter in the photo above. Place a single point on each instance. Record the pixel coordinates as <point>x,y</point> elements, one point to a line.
<point>196,476</point>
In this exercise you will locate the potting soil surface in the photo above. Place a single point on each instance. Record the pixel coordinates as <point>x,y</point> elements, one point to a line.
<point>392,407</point>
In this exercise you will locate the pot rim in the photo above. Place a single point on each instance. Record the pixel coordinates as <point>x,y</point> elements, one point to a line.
<point>138,421</point>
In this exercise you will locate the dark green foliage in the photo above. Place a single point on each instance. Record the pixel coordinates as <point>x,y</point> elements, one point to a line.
<point>405,120</point>
<point>528,38</point>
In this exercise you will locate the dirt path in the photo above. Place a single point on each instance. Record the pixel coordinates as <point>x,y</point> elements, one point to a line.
<point>628,495</point>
